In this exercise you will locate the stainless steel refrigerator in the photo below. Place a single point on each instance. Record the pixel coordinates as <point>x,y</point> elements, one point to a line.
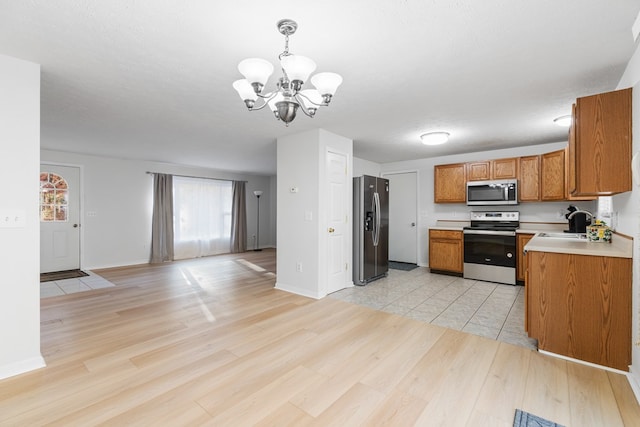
<point>370,228</point>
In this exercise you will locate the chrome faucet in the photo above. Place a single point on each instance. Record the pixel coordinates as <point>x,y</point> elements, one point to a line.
<point>580,211</point>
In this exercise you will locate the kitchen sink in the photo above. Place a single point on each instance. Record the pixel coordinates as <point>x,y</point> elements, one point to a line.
<point>564,236</point>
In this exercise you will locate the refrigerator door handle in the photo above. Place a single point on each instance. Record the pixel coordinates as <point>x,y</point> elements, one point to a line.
<point>376,236</point>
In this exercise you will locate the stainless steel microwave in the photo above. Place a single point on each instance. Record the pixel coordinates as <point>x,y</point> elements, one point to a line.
<point>498,192</point>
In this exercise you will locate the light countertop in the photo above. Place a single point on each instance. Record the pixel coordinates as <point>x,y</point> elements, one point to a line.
<point>525,227</point>
<point>537,227</point>
<point>445,224</point>
<point>446,228</point>
<point>620,246</point>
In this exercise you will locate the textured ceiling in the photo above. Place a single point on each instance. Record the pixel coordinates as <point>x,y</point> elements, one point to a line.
<point>151,79</point>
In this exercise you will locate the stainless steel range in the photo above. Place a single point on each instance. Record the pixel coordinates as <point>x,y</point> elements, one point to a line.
<point>490,246</point>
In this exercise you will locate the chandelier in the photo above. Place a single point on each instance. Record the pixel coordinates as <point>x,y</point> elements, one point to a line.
<point>289,95</point>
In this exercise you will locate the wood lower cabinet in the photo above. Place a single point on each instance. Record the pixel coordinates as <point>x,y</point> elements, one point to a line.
<point>552,180</point>
<point>521,267</point>
<point>579,306</point>
<point>446,250</point>
<point>529,183</point>
<point>450,184</point>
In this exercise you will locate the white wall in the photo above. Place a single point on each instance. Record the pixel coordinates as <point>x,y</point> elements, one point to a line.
<point>365,167</point>
<point>20,248</point>
<point>118,196</point>
<point>429,212</point>
<point>628,207</point>
<point>301,164</point>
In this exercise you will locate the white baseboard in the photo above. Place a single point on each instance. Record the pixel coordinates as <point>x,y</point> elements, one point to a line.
<point>634,380</point>
<point>21,367</point>
<point>583,362</point>
<point>298,290</point>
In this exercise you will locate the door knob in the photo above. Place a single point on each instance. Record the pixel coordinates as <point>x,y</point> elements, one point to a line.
<point>331,230</point>
<point>413,224</point>
<point>75,225</point>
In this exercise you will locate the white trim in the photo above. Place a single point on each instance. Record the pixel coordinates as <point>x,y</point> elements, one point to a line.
<point>634,381</point>
<point>21,367</point>
<point>323,219</point>
<point>299,291</point>
<point>81,198</point>
<point>418,221</point>
<point>582,362</point>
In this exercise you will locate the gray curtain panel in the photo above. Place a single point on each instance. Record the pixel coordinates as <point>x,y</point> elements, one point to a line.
<point>239,218</point>
<point>162,222</point>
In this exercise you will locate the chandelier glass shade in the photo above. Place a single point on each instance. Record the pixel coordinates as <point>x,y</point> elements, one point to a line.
<point>289,97</point>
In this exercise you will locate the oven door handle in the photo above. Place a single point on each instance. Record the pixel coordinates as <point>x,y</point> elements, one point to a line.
<point>490,232</point>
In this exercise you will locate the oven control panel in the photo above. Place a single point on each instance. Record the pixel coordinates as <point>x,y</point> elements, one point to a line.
<point>495,216</point>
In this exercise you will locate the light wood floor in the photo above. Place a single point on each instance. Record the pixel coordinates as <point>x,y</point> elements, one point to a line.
<point>210,342</point>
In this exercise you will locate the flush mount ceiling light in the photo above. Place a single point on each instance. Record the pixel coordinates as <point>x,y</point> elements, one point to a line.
<point>563,121</point>
<point>288,96</point>
<point>434,138</point>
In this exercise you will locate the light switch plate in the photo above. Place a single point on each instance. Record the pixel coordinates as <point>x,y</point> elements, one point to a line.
<point>12,218</point>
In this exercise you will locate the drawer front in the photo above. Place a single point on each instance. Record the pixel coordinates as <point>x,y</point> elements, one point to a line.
<point>445,234</point>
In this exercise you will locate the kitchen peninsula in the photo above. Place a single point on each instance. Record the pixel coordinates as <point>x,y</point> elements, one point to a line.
<point>578,298</point>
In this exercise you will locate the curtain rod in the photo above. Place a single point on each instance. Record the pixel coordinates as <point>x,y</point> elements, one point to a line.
<point>198,177</point>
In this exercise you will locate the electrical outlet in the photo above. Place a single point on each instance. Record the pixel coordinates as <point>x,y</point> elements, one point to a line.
<point>299,267</point>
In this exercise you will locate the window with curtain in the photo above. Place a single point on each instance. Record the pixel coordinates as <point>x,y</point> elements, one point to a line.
<point>202,217</point>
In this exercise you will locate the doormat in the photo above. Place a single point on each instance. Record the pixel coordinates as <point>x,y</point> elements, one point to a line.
<point>61,275</point>
<point>525,419</point>
<point>404,266</point>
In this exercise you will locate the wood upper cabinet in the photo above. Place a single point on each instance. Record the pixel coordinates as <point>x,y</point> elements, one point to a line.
<point>445,250</point>
<point>450,184</point>
<point>579,306</point>
<point>600,144</point>
<point>552,176</point>
<point>492,169</point>
<point>567,178</point>
<point>529,183</point>
<point>505,168</point>
<point>521,267</point>
<point>479,171</point>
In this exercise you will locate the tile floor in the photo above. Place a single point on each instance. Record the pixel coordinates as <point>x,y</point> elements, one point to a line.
<point>71,286</point>
<point>487,309</point>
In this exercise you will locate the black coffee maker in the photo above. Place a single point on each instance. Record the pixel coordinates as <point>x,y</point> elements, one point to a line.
<point>578,222</point>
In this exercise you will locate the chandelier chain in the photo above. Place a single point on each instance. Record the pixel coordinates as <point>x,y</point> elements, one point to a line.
<point>286,46</point>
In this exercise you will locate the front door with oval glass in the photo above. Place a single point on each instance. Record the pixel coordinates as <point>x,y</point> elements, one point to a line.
<point>59,218</point>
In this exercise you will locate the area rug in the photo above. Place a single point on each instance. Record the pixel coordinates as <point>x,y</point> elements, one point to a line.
<point>525,419</point>
<point>61,275</point>
<point>405,266</point>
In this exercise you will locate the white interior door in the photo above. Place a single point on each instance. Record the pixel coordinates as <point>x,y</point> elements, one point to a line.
<point>337,215</point>
<point>59,218</point>
<point>403,230</point>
